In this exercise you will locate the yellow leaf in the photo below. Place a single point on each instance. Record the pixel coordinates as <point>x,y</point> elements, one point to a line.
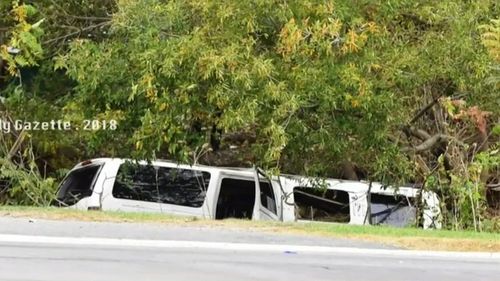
<point>350,44</point>
<point>138,145</point>
<point>163,106</point>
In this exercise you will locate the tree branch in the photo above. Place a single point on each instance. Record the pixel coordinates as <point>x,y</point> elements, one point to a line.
<point>494,186</point>
<point>320,198</point>
<point>77,32</point>
<point>429,143</point>
<point>17,145</point>
<point>419,133</point>
<point>90,18</point>
<point>424,110</point>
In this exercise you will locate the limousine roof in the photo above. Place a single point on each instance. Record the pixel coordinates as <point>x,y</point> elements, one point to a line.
<point>356,186</point>
<point>346,185</point>
<point>162,162</point>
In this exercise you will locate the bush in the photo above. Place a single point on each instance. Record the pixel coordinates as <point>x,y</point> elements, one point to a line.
<point>21,182</point>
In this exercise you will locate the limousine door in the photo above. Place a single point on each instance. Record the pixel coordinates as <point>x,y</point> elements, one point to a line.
<point>266,207</point>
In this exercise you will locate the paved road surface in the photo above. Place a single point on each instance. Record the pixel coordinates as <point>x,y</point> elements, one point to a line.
<point>164,232</point>
<point>58,251</point>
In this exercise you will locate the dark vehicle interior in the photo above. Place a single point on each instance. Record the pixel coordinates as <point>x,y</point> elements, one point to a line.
<point>236,199</point>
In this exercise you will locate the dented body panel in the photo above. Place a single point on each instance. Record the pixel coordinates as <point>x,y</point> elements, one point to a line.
<point>216,193</point>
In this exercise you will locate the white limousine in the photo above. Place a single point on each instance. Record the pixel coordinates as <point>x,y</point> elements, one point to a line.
<point>217,193</point>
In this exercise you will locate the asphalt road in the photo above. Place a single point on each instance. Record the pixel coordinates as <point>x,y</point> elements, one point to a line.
<point>74,251</point>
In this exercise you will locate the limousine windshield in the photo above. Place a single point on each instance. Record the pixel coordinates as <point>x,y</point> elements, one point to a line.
<point>77,185</point>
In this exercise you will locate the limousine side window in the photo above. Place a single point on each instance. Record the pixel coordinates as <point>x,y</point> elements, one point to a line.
<point>267,198</point>
<point>149,183</point>
<point>77,185</point>
<point>317,204</point>
<point>393,210</point>
<point>236,199</point>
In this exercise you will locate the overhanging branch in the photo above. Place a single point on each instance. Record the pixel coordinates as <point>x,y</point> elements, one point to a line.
<point>77,32</point>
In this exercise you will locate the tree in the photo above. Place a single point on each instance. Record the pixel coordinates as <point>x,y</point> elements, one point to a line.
<point>320,81</point>
<point>290,75</point>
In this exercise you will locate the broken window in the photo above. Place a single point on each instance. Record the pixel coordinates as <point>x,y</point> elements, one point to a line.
<point>318,204</point>
<point>149,183</point>
<point>236,199</point>
<point>77,185</point>
<point>267,198</point>
<point>392,210</point>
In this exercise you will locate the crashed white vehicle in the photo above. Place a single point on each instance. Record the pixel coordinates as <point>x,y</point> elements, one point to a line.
<point>218,193</point>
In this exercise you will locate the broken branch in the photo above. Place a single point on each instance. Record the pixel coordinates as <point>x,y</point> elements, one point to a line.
<point>17,145</point>
<point>419,133</point>
<point>494,186</point>
<point>423,110</point>
<point>429,143</point>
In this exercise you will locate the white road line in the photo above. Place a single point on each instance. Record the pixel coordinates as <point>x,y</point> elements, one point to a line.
<point>179,244</point>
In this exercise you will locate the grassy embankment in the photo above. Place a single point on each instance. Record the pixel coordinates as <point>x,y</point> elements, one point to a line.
<point>409,238</point>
